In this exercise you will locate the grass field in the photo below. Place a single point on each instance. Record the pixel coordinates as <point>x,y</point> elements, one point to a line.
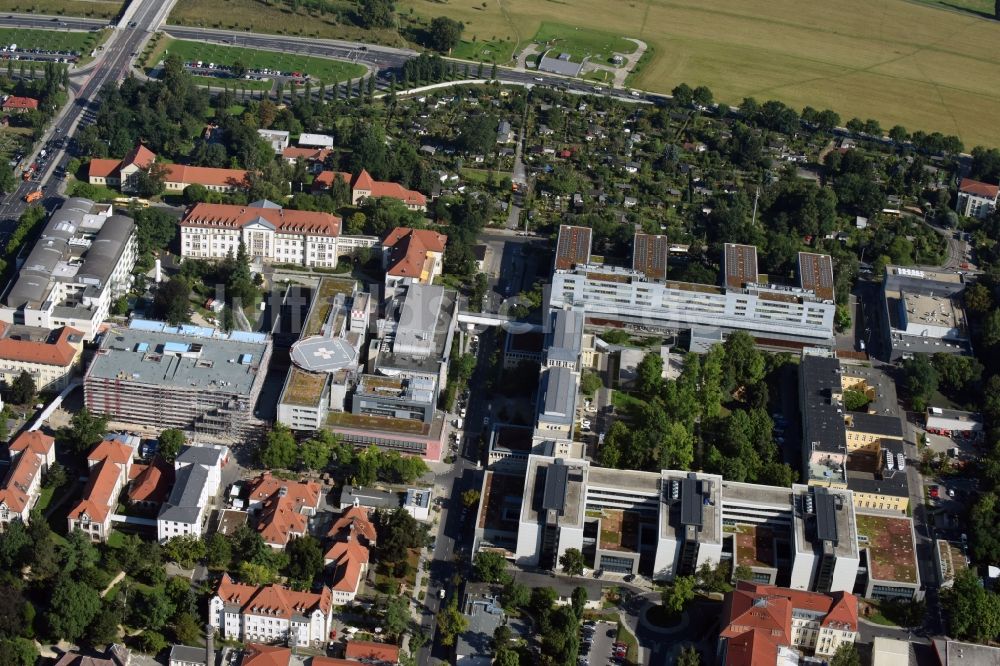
<point>322,69</point>
<point>89,8</point>
<point>580,44</point>
<point>923,64</point>
<point>51,40</point>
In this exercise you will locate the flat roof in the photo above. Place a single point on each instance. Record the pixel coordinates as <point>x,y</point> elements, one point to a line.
<point>620,530</point>
<point>823,419</point>
<point>698,506</point>
<point>875,424</point>
<point>649,255</point>
<point>184,358</point>
<point>753,545</point>
<point>889,541</point>
<point>572,246</point>
<point>838,527</point>
<point>540,493</point>
<point>303,388</point>
<point>920,274</point>
<point>558,404</point>
<point>323,302</point>
<point>816,274</point>
<point>739,265</point>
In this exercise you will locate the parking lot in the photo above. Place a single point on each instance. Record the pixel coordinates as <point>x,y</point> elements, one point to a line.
<point>602,639</point>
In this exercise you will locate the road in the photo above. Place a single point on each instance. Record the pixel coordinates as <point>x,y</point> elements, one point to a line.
<point>112,64</point>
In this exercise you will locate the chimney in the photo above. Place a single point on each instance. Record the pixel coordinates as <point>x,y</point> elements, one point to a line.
<point>209,645</point>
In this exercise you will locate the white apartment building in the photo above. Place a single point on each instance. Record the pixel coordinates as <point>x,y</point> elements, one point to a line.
<point>197,476</point>
<point>804,312</point>
<point>269,233</point>
<point>976,199</point>
<point>80,265</point>
<point>271,614</point>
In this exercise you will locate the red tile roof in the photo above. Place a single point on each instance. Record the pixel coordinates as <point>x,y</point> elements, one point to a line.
<point>179,173</point>
<point>113,450</point>
<point>279,521</point>
<point>370,650</point>
<point>101,168</point>
<point>140,156</point>
<point>766,610</point>
<point>572,246</point>
<point>61,352</point>
<point>375,188</point>
<point>284,220</point>
<point>255,654</point>
<point>307,154</point>
<point>332,661</point>
<point>18,103</point>
<point>302,493</point>
<point>348,559</point>
<point>354,520</point>
<point>98,493</point>
<point>409,249</point>
<point>281,600</point>
<point>151,483</point>
<point>33,448</point>
<point>969,186</point>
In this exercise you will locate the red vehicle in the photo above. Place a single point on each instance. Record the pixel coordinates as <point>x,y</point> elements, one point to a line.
<point>934,492</point>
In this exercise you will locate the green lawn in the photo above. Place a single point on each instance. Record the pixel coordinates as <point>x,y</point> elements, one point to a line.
<point>323,69</point>
<point>50,40</point>
<point>500,50</point>
<point>581,43</point>
<point>87,8</point>
<point>625,636</point>
<point>45,498</point>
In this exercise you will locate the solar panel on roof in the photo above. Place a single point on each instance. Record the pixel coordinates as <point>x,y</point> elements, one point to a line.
<point>826,516</point>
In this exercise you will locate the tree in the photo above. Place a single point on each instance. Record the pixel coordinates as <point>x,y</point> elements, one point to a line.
<point>649,375</point>
<point>702,96</point>
<point>490,567</point>
<point>106,629</point>
<point>22,389</point>
<point>676,447</point>
<point>18,652</point>
<point>579,601</point>
<point>572,562</point>
<point>743,364</point>
<point>151,642</point>
<point>239,69</point>
<point>315,452</point>
<point>678,594</point>
<point>72,607</point>
<point>377,13</point>
<point>515,595</point>
<point>398,531</point>
<point>742,572</point>
<point>444,34</point>
<point>83,432</point>
<point>240,288</point>
<point>8,183</point>
<point>470,498</point>
<point>305,560</point>
<point>451,622</point>
<point>689,656</point>
<point>477,133</point>
<point>256,574</point>
<point>149,609</point>
<point>846,655</point>
<point>185,550</point>
<point>397,615</point>
<point>683,95</point>
<point>12,612</point>
<point>855,401</point>
<point>218,551</point>
<point>590,382</point>
<point>280,450</point>
<point>187,630</point>
<point>920,380</point>
<point>171,441</point>
<point>171,302</point>
<point>973,612</point>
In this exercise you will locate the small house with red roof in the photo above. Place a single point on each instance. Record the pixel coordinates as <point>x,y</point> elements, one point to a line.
<point>976,199</point>
<point>124,173</point>
<point>353,533</point>
<point>110,465</point>
<point>149,485</point>
<point>371,652</point>
<point>271,613</point>
<point>761,622</point>
<point>363,187</point>
<point>412,256</point>
<point>15,104</point>
<point>282,508</point>
<point>31,453</point>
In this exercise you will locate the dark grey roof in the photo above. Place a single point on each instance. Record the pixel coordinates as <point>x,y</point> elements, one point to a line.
<point>566,336</point>
<point>691,501</point>
<point>554,495</point>
<point>823,419</point>
<point>182,506</point>
<point>559,403</point>
<point>557,66</point>
<point>369,497</point>
<point>826,515</point>
<point>200,455</point>
<point>188,654</point>
<point>877,424</point>
<point>107,249</point>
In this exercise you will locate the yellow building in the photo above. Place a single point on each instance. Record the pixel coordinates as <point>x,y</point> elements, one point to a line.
<point>50,361</point>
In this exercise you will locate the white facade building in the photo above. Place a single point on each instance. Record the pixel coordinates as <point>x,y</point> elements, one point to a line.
<point>976,199</point>
<point>269,232</point>
<point>80,265</point>
<point>270,614</point>
<point>197,474</point>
